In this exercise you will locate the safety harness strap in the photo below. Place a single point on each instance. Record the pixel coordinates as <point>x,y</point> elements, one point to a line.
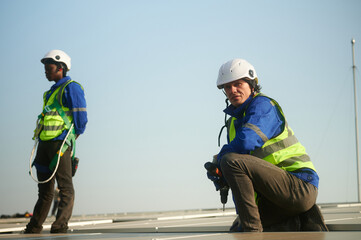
<point>70,141</point>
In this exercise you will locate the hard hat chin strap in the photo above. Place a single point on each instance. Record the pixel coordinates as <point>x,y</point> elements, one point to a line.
<point>225,122</point>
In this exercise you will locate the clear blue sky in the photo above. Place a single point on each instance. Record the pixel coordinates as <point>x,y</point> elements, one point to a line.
<point>149,70</point>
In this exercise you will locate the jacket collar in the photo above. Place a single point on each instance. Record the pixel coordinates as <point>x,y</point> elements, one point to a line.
<point>237,112</point>
<point>60,82</point>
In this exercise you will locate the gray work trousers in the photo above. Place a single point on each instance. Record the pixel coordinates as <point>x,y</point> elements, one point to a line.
<point>45,153</point>
<point>282,195</point>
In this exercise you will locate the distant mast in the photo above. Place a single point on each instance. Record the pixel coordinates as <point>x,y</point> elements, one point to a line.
<point>356,124</point>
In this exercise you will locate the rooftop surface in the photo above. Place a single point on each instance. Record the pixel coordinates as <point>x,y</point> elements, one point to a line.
<point>343,220</point>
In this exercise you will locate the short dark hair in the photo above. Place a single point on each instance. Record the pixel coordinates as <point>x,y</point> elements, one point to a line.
<point>253,85</point>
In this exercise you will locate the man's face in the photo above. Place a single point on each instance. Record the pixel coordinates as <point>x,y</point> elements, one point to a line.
<point>51,72</point>
<point>237,92</point>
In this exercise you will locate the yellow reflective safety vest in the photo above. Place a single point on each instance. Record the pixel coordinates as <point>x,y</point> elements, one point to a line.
<point>284,150</point>
<point>51,123</point>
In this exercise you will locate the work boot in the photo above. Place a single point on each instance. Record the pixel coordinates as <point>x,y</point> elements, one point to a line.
<point>236,225</point>
<point>59,230</point>
<point>312,220</point>
<point>30,229</point>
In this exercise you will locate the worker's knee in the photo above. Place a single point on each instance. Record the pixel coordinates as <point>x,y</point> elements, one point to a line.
<point>234,162</point>
<point>67,195</point>
<point>46,195</point>
<point>230,161</point>
<point>46,191</point>
<point>69,191</point>
<point>226,160</point>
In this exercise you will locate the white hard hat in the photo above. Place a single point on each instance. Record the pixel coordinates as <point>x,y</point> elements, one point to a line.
<point>235,69</point>
<point>58,56</point>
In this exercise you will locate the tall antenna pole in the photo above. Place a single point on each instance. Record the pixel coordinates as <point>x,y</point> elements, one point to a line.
<point>356,125</point>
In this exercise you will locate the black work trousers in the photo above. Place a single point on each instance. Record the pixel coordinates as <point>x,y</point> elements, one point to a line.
<point>45,153</point>
<point>282,195</point>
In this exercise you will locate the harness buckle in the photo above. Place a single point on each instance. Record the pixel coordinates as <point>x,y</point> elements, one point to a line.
<point>47,109</point>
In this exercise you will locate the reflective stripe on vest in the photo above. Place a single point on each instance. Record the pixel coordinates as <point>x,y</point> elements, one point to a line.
<point>52,124</point>
<point>284,150</point>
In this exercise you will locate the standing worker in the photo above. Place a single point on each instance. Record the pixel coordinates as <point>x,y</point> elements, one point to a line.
<point>64,105</point>
<point>273,181</point>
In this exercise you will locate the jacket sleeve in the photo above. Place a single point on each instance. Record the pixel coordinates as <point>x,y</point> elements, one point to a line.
<point>74,99</point>
<point>261,122</point>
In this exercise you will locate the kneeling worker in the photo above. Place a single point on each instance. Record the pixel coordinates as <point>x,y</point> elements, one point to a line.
<point>273,181</point>
<point>64,116</point>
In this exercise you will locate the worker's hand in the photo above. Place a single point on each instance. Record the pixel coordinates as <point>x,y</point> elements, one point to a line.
<point>215,175</point>
<point>215,179</point>
<point>215,161</point>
